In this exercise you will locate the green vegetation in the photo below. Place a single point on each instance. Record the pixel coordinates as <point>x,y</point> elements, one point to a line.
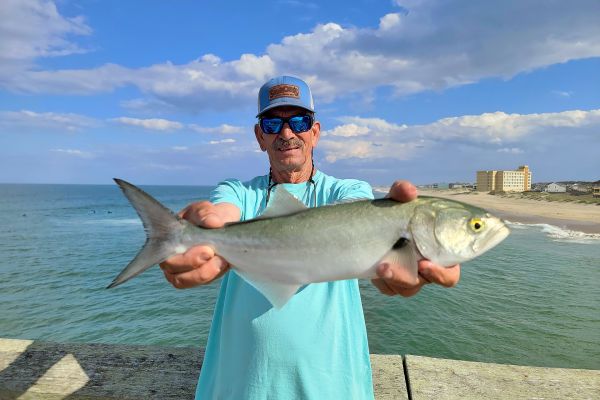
<point>558,197</point>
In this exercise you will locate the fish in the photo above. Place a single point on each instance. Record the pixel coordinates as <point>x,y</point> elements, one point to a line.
<point>290,246</point>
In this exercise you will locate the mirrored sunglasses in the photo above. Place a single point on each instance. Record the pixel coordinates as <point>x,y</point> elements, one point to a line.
<point>298,123</point>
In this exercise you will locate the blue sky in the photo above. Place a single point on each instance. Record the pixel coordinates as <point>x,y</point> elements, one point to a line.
<point>164,92</point>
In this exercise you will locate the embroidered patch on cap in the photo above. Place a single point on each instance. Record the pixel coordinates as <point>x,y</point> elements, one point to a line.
<point>284,91</point>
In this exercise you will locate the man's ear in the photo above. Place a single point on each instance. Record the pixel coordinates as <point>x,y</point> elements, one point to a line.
<point>259,137</point>
<point>316,133</point>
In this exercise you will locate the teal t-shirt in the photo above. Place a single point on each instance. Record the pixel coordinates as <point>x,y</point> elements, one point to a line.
<point>315,347</point>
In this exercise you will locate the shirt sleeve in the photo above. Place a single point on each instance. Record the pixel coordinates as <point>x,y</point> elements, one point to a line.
<point>352,189</point>
<point>228,191</point>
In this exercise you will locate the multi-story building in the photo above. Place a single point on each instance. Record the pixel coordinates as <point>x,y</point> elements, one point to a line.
<point>504,181</point>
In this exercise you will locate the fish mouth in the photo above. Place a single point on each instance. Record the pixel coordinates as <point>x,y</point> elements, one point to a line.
<point>494,237</point>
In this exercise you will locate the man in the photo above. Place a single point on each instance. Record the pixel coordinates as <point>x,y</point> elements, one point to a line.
<point>315,347</point>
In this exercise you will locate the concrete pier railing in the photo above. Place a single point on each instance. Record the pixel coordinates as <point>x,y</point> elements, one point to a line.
<point>42,370</point>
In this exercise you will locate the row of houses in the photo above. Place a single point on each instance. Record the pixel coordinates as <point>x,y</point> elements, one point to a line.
<point>519,180</point>
<point>576,188</point>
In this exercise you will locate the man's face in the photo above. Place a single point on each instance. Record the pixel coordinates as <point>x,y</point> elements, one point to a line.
<point>288,151</point>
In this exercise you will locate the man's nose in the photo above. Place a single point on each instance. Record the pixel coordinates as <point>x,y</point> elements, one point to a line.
<point>286,131</point>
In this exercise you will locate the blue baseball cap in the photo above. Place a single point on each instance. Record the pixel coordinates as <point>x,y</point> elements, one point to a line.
<point>284,91</point>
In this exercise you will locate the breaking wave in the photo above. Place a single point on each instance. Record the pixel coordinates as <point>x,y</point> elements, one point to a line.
<point>559,234</point>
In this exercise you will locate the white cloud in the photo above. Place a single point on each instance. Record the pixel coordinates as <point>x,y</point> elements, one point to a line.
<point>357,126</point>
<point>433,45</point>
<point>258,68</point>
<point>27,120</point>
<point>180,148</point>
<point>498,127</point>
<point>562,93</point>
<point>74,152</point>
<point>389,21</point>
<point>510,150</point>
<point>381,139</point>
<point>156,124</point>
<point>166,167</point>
<point>34,28</point>
<point>347,130</point>
<point>364,149</point>
<point>375,125</point>
<point>221,129</point>
<point>222,141</point>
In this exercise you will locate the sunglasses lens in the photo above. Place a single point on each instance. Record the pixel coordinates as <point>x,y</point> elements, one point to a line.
<point>271,125</point>
<point>300,123</point>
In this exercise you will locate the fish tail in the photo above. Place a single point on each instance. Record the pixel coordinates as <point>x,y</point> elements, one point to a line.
<point>163,232</point>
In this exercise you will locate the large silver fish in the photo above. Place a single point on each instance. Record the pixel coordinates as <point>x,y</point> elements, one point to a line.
<point>291,245</point>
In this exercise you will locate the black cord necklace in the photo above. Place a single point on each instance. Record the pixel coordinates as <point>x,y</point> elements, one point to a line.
<point>272,184</point>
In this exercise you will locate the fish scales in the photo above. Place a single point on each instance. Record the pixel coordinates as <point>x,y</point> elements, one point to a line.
<point>331,242</point>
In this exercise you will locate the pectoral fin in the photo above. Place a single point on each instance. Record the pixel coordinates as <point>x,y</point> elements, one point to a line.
<point>404,253</point>
<point>278,294</point>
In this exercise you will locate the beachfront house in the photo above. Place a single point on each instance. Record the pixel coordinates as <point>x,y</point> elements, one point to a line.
<point>596,191</point>
<point>579,188</point>
<point>555,188</point>
<point>461,185</point>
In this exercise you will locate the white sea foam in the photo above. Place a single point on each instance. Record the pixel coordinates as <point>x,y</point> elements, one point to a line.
<point>559,234</point>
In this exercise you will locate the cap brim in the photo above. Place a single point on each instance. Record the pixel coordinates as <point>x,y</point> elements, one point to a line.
<point>272,106</point>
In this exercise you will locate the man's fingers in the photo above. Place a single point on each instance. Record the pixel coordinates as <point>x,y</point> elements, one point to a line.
<point>209,271</point>
<point>402,191</point>
<point>395,279</point>
<point>191,259</point>
<point>397,275</point>
<point>197,266</point>
<point>383,287</point>
<point>211,220</point>
<point>203,214</point>
<point>390,289</point>
<point>447,277</point>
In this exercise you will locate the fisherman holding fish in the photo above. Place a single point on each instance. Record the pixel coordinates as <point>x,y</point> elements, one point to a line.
<point>315,346</point>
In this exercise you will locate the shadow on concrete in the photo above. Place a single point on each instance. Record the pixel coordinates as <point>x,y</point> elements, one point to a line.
<point>75,371</point>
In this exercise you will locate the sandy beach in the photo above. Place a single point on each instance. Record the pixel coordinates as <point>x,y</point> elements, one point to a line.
<point>572,216</point>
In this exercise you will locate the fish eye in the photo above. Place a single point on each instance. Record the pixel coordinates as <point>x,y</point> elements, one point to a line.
<point>476,224</point>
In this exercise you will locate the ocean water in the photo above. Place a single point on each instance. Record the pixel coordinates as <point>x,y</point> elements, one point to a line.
<point>533,300</point>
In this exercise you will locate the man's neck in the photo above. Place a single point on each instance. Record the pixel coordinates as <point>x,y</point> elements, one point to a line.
<point>293,176</point>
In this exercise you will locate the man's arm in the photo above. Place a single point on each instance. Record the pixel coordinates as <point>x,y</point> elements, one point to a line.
<point>393,279</point>
<point>199,265</point>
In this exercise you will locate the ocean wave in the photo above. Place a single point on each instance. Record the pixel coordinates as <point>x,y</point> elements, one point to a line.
<point>559,234</point>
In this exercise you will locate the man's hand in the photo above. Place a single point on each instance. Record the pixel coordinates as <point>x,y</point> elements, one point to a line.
<point>394,279</point>
<point>199,265</point>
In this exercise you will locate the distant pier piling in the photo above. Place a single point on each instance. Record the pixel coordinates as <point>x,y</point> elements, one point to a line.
<point>49,371</point>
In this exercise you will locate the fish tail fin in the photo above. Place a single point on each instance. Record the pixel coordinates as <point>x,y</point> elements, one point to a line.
<point>163,232</point>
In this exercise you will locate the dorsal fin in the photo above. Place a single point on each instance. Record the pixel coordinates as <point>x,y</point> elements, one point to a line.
<point>282,203</point>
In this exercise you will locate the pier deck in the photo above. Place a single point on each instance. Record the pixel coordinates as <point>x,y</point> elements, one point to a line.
<point>43,370</point>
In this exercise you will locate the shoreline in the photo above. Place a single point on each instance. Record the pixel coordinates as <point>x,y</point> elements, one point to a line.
<point>572,216</point>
